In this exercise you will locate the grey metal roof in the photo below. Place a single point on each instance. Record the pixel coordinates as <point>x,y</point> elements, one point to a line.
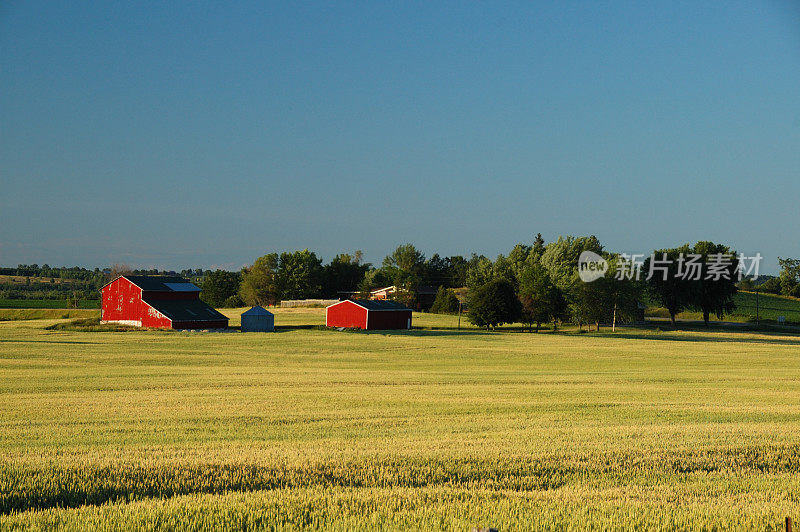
<point>257,311</point>
<point>379,304</point>
<point>185,310</point>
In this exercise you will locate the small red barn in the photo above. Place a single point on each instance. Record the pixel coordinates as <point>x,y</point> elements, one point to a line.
<point>158,301</point>
<point>368,315</point>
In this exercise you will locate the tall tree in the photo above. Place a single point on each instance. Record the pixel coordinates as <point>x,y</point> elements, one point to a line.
<point>606,299</point>
<point>560,258</point>
<point>493,304</point>
<point>299,275</point>
<point>457,268</point>
<point>542,301</point>
<point>479,271</point>
<point>503,268</point>
<point>713,292</point>
<point>218,286</point>
<point>344,273</point>
<point>436,271</point>
<point>789,278</point>
<point>259,285</point>
<point>537,250</point>
<point>405,266</point>
<point>666,285</point>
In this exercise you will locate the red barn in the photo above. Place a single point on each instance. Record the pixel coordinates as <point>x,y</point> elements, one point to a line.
<point>368,315</point>
<point>158,301</point>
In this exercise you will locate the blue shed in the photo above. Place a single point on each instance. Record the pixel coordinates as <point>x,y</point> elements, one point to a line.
<point>258,319</point>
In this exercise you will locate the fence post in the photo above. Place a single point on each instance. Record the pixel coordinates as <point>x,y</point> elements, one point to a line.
<point>788,524</point>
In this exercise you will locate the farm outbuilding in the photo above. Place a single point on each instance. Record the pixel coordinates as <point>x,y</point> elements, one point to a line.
<point>158,301</point>
<point>425,295</point>
<point>258,319</point>
<point>368,315</point>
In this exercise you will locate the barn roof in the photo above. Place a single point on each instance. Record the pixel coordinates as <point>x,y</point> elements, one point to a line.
<point>185,310</point>
<point>379,304</point>
<point>257,311</point>
<point>160,283</point>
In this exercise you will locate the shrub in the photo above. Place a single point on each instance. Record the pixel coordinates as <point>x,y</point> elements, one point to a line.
<point>446,302</point>
<point>233,302</point>
<point>493,304</point>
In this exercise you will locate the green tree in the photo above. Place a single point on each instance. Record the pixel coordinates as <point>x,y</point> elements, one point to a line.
<point>504,268</point>
<point>235,301</point>
<point>479,271</point>
<point>713,292</point>
<point>259,285</point>
<point>218,286</point>
<point>344,273</point>
<point>299,275</point>
<point>770,286</point>
<point>560,258</point>
<point>541,299</point>
<point>436,271</point>
<point>493,304</point>
<point>405,266</point>
<point>373,278</point>
<point>457,267</point>
<point>537,250</point>
<point>666,287</point>
<point>789,277</point>
<point>607,298</point>
<point>446,301</point>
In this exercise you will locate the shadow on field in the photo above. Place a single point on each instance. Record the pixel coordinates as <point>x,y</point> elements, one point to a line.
<point>435,332</point>
<point>28,341</point>
<point>678,334</point>
<point>281,328</point>
<point>289,328</point>
<point>667,336</point>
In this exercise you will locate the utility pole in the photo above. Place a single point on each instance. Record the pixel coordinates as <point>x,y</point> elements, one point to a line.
<point>614,320</point>
<point>459,314</point>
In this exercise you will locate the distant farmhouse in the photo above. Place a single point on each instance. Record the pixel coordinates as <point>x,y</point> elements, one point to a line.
<point>368,315</point>
<point>158,301</point>
<point>425,295</point>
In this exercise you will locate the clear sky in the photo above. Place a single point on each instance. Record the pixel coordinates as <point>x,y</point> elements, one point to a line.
<point>177,134</point>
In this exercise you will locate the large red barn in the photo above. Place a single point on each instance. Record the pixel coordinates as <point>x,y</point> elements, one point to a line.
<point>158,301</point>
<point>368,315</point>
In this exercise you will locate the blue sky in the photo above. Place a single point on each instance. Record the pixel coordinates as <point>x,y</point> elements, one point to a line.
<point>207,134</point>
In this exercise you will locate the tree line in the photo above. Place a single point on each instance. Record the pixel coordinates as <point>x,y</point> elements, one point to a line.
<point>534,284</point>
<point>786,284</point>
<point>302,275</point>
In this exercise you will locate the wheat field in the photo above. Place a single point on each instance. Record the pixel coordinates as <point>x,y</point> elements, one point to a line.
<point>433,428</point>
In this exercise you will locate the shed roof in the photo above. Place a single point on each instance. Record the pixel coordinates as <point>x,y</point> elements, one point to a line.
<point>257,311</point>
<point>378,304</point>
<point>160,283</point>
<point>186,310</point>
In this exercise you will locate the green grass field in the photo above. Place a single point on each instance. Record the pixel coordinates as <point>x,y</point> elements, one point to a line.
<point>47,303</point>
<point>45,314</point>
<point>425,429</point>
